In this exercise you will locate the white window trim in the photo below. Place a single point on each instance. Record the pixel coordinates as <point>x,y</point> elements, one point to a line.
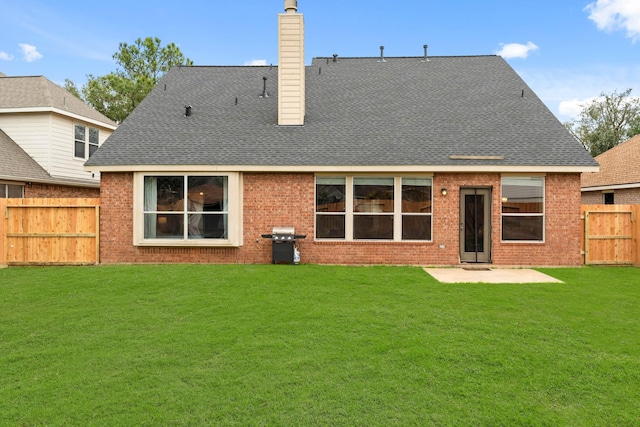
<point>235,219</point>
<point>86,141</point>
<point>543,214</point>
<point>349,213</point>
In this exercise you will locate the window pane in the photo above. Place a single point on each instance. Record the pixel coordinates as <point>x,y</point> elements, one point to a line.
<point>164,226</point>
<point>522,228</point>
<point>522,195</point>
<point>373,195</point>
<point>94,136</point>
<point>416,195</point>
<point>208,226</point>
<point>330,194</point>
<point>416,227</point>
<point>92,149</point>
<point>80,133</point>
<point>330,227</point>
<point>169,193</point>
<point>207,194</point>
<point>14,191</point>
<point>373,227</point>
<point>79,149</point>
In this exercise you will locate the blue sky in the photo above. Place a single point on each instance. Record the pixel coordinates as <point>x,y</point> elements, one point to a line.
<point>568,51</point>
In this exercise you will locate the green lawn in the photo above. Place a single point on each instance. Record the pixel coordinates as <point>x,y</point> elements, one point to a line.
<point>315,345</point>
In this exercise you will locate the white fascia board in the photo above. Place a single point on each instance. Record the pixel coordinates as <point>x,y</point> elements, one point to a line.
<point>345,169</point>
<point>60,112</point>
<point>611,187</point>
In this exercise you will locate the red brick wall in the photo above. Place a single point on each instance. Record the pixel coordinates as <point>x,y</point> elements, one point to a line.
<point>58,191</point>
<point>562,229</point>
<point>282,199</point>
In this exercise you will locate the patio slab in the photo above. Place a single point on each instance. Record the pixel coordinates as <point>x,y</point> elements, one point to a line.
<point>486,275</point>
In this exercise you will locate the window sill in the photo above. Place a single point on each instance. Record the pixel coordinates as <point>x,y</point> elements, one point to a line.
<point>188,243</point>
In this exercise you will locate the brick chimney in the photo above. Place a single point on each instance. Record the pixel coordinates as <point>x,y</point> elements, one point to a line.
<point>291,72</point>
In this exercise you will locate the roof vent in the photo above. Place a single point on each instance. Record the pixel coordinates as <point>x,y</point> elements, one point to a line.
<point>187,110</point>
<point>264,93</point>
<point>426,57</point>
<point>335,57</point>
<point>382,54</point>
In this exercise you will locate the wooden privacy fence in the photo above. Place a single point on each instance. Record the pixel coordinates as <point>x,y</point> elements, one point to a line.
<point>611,234</point>
<point>49,231</point>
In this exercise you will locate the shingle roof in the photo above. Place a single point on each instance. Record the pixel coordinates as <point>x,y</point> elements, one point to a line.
<point>359,111</point>
<point>16,164</point>
<point>618,166</point>
<point>39,92</point>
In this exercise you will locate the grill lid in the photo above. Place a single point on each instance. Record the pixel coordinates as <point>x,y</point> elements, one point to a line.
<point>283,230</point>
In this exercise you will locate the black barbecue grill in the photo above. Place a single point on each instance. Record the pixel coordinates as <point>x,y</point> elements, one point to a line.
<point>283,241</point>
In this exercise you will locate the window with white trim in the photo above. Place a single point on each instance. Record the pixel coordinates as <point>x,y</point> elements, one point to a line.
<point>187,209</point>
<point>11,191</point>
<point>85,144</point>
<point>374,208</point>
<point>523,216</point>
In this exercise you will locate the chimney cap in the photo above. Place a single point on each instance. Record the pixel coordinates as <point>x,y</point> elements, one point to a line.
<point>290,6</point>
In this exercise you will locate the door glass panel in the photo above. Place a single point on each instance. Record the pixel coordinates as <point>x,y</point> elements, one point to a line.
<point>474,223</point>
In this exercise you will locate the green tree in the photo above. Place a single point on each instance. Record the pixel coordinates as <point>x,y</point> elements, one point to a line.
<point>142,64</point>
<point>607,121</point>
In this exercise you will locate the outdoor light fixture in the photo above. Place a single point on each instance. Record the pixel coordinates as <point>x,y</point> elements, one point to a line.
<point>505,199</point>
<point>444,191</point>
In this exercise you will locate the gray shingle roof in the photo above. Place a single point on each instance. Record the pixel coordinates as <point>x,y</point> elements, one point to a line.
<point>16,164</point>
<point>39,92</point>
<point>403,112</point>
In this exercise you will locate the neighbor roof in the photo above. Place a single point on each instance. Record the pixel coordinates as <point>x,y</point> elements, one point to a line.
<point>447,113</point>
<point>34,93</point>
<point>16,164</point>
<point>618,166</point>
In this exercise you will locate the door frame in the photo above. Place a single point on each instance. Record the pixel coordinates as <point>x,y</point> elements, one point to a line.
<point>485,255</point>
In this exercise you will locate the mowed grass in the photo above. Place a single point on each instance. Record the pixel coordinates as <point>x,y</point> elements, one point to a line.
<point>197,345</point>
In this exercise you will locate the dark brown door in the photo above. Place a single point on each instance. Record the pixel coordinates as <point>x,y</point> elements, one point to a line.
<point>475,225</point>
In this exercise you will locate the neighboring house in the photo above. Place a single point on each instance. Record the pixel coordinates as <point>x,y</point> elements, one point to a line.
<point>421,161</point>
<point>46,135</point>
<point>618,181</point>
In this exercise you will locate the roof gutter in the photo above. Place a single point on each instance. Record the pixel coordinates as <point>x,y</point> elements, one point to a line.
<point>342,168</point>
<point>60,112</point>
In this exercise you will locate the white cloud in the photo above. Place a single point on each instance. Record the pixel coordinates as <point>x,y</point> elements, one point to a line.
<point>29,52</point>
<point>564,90</point>
<point>4,56</point>
<point>572,108</point>
<point>613,15</point>
<point>516,50</point>
<point>256,62</point>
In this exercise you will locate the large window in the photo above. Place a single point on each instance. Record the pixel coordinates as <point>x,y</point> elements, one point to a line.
<point>85,143</point>
<point>188,209</point>
<point>373,208</point>
<point>523,209</point>
<point>11,191</point>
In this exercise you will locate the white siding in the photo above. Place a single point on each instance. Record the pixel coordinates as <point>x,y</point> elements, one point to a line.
<point>49,139</point>
<point>31,131</point>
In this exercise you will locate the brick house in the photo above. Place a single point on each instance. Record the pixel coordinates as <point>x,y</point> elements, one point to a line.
<point>618,181</point>
<point>405,160</point>
<point>46,135</point>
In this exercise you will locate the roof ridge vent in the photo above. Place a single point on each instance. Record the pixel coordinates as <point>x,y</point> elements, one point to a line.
<point>382,55</point>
